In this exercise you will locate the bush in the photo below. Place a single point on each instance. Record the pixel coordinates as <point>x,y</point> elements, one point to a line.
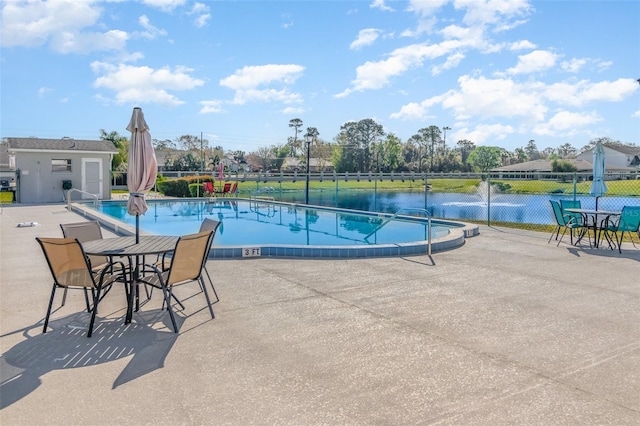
<point>196,189</point>
<point>182,187</point>
<point>174,188</point>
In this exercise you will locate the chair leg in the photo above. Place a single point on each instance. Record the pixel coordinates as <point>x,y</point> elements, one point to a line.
<point>619,241</point>
<point>562,236</point>
<point>167,298</point>
<point>206,295</point>
<point>555,231</point>
<point>96,301</point>
<point>215,293</point>
<point>46,318</point>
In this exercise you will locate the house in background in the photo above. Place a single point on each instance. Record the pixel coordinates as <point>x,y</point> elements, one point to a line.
<point>537,169</point>
<point>620,162</point>
<point>292,164</point>
<point>45,168</point>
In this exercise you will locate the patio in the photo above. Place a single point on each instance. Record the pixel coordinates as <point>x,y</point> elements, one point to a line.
<point>507,329</point>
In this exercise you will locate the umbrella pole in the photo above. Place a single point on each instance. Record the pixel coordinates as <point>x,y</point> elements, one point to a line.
<point>138,227</point>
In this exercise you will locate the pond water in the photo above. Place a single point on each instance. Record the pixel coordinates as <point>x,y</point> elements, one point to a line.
<point>526,209</point>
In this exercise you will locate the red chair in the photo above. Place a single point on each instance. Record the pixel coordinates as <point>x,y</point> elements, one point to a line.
<point>233,189</point>
<point>208,187</point>
<point>226,189</point>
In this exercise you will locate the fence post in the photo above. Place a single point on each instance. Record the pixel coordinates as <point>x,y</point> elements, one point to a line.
<point>488,200</point>
<point>575,185</point>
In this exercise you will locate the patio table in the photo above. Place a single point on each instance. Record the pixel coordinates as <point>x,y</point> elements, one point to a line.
<point>590,218</point>
<point>127,247</point>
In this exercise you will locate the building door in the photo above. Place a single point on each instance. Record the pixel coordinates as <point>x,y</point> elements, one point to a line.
<point>92,176</point>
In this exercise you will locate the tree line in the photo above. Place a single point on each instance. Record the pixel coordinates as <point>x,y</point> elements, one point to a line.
<point>360,146</point>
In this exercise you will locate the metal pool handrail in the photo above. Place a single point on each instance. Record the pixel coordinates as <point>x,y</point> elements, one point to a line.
<point>405,210</point>
<point>95,197</point>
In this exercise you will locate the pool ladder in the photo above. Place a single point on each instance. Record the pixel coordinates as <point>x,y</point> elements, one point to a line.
<point>406,210</point>
<point>256,197</point>
<point>68,197</point>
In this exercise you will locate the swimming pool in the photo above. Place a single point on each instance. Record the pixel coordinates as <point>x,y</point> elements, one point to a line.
<point>262,228</point>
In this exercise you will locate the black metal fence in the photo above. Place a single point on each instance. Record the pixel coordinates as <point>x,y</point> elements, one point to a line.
<point>521,201</point>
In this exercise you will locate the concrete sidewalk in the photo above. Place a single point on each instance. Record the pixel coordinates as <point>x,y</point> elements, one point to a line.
<point>505,330</point>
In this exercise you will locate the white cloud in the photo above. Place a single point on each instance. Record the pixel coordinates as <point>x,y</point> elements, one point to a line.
<point>522,45</point>
<point>43,91</point>
<point>211,107</point>
<point>151,31</point>
<point>34,23</point>
<point>418,111</point>
<point>247,83</point>
<point>567,123</point>
<point>202,20</point>
<point>292,110</point>
<point>536,61</point>
<point>579,93</point>
<point>451,62</point>
<point>376,75</point>
<point>494,12</point>
<point>486,134</point>
<point>425,8</point>
<point>288,21</point>
<point>69,42</point>
<point>60,23</point>
<point>164,5</point>
<point>366,37</point>
<point>491,98</point>
<point>379,4</point>
<point>201,11</point>
<point>144,84</point>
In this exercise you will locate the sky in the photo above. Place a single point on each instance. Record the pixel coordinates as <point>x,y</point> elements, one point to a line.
<point>496,72</point>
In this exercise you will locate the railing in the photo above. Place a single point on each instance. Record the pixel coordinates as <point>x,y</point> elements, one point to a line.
<point>407,210</point>
<point>68,195</point>
<point>319,176</point>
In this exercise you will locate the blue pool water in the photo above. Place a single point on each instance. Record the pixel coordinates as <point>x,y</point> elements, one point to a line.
<point>247,223</point>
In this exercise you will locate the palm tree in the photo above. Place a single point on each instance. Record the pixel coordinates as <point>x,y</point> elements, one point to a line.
<point>296,123</point>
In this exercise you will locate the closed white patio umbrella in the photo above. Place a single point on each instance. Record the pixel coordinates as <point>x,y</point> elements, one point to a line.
<point>598,187</point>
<point>142,167</point>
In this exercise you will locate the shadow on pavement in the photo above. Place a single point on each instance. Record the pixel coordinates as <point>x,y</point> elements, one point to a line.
<point>66,346</point>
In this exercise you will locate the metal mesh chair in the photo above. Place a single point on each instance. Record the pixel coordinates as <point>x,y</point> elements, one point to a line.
<point>83,232</point>
<point>210,225</point>
<point>70,268</point>
<point>187,264</point>
<point>629,222</point>
<point>573,221</point>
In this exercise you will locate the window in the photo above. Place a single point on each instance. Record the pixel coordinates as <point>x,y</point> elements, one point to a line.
<point>60,165</point>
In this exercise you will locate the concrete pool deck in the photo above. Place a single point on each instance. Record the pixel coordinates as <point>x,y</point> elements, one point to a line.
<point>506,329</point>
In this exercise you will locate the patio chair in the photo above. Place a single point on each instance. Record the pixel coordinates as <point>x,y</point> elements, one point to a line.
<point>225,189</point>
<point>233,189</point>
<point>187,264</point>
<point>628,221</point>
<point>83,232</point>
<point>561,222</point>
<point>210,225</point>
<point>207,188</point>
<point>206,225</point>
<point>573,221</point>
<point>70,268</point>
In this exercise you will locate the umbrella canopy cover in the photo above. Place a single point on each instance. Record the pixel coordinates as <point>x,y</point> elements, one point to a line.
<point>142,166</point>
<point>598,187</point>
<point>220,170</point>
